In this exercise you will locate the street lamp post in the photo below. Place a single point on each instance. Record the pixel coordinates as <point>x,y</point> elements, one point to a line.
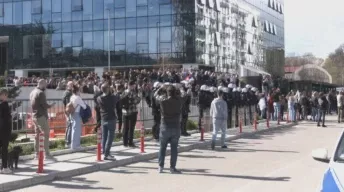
<point>109,60</point>
<point>158,41</point>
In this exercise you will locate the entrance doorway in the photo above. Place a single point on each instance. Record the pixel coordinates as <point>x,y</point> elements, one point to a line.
<point>3,54</point>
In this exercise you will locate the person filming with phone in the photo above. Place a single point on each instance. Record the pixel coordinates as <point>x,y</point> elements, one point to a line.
<point>40,108</point>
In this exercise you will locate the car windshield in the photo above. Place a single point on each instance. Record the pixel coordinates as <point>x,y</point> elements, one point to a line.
<point>339,155</point>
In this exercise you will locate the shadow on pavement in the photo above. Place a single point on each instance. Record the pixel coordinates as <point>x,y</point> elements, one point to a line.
<point>124,171</point>
<point>76,183</point>
<point>200,156</point>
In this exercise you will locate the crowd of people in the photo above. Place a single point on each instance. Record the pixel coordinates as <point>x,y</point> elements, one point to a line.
<point>169,94</point>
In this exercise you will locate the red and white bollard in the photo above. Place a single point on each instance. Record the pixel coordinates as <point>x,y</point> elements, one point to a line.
<point>99,144</point>
<point>142,140</point>
<point>255,122</point>
<point>40,153</point>
<point>202,129</point>
<point>268,119</point>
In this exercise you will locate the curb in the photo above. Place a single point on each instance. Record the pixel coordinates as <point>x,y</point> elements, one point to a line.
<point>138,158</point>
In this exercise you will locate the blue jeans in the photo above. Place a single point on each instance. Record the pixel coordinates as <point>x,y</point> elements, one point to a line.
<point>108,135</point>
<point>172,137</point>
<point>68,136</point>
<point>76,125</point>
<point>292,114</point>
<point>219,125</point>
<point>276,111</point>
<point>321,116</point>
<point>314,114</point>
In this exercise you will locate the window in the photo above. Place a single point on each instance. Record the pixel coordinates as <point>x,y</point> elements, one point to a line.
<point>77,5</point>
<point>153,21</point>
<point>26,11</point>
<point>266,26</point>
<point>2,9</point>
<point>87,10</point>
<point>141,2</point>
<point>87,26</point>
<point>141,11</point>
<point>56,40</point>
<point>36,6</point>
<point>99,37</point>
<point>153,7</point>
<point>165,48</point>
<point>17,13</point>
<point>77,39</point>
<point>166,20</point>
<point>98,9</point>
<point>67,27</point>
<point>210,3</point>
<point>271,28</point>
<point>165,34</point>
<point>77,16</point>
<point>217,7</point>
<point>249,51</point>
<point>131,40</point>
<point>275,30</point>
<point>142,35</point>
<point>57,27</point>
<point>88,40</point>
<point>111,41</point>
<point>153,39</point>
<point>281,9</point>
<point>142,22</point>
<point>119,36</point>
<point>269,3</point>
<point>119,23</point>
<point>8,14</point>
<point>46,16</point>
<point>119,3</point>
<point>67,39</point>
<point>98,25</point>
<point>142,48</point>
<point>254,21</point>
<point>131,23</point>
<point>77,26</point>
<point>66,10</point>
<point>165,9</point>
<point>120,13</point>
<point>56,17</point>
<point>56,6</point>
<point>130,8</point>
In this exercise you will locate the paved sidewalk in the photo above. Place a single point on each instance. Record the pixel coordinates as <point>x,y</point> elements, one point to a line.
<point>79,163</point>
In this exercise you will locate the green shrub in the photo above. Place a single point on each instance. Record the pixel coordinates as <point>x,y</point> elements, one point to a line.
<point>191,125</point>
<point>14,137</point>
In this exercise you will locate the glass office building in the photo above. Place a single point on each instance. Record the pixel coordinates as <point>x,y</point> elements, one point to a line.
<point>46,35</point>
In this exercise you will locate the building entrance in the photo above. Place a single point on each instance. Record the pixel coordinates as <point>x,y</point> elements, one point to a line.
<point>3,54</point>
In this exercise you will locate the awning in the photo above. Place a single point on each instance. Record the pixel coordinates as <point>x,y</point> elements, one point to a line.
<point>254,70</point>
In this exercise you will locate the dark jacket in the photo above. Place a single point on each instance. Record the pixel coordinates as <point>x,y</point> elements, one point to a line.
<point>5,120</point>
<point>66,97</point>
<point>107,104</point>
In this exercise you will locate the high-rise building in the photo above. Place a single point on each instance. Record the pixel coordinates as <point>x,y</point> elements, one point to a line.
<point>42,36</point>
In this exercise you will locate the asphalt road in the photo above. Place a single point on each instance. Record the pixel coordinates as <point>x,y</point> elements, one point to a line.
<point>276,161</point>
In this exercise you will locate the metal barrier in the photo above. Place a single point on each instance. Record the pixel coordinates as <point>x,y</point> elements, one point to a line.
<point>22,116</point>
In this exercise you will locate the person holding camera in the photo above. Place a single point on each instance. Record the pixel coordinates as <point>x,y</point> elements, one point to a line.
<point>5,130</point>
<point>171,103</point>
<point>129,101</point>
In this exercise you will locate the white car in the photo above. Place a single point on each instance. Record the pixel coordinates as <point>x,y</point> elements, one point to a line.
<point>333,180</point>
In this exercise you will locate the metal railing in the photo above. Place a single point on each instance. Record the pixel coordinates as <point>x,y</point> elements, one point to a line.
<point>22,115</point>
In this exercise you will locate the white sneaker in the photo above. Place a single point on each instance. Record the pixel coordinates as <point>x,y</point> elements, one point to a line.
<point>6,171</point>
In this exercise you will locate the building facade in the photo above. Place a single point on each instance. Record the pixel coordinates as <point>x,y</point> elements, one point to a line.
<point>58,35</point>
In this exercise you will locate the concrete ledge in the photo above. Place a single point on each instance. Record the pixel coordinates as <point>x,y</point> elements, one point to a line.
<point>42,178</point>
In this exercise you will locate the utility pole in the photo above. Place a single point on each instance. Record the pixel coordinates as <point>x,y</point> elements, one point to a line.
<point>109,59</point>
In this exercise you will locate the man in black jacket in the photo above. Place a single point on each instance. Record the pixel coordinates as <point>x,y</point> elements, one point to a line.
<point>5,129</point>
<point>156,113</point>
<point>323,106</point>
<point>171,103</point>
<point>107,104</point>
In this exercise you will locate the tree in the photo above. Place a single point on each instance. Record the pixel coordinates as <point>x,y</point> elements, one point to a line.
<point>334,65</point>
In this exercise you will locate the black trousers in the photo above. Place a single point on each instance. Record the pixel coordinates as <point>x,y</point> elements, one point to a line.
<point>229,118</point>
<point>200,111</point>
<point>183,123</point>
<point>119,120</point>
<point>236,116</point>
<point>4,142</point>
<point>129,123</point>
<point>156,126</point>
<point>98,118</point>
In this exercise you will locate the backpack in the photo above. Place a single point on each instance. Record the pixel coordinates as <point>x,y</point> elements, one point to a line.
<point>69,108</point>
<point>85,114</point>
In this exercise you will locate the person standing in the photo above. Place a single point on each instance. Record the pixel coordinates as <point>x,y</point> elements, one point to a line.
<point>76,120</point>
<point>119,113</point>
<point>65,100</point>
<point>171,103</point>
<point>5,129</point>
<point>107,105</point>
<point>323,106</point>
<point>40,108</point>
<point>129,101</point>
<point>340,102</point>
<point>219,114</point>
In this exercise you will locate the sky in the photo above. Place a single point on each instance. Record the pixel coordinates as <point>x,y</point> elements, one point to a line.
<point>315,26</point>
